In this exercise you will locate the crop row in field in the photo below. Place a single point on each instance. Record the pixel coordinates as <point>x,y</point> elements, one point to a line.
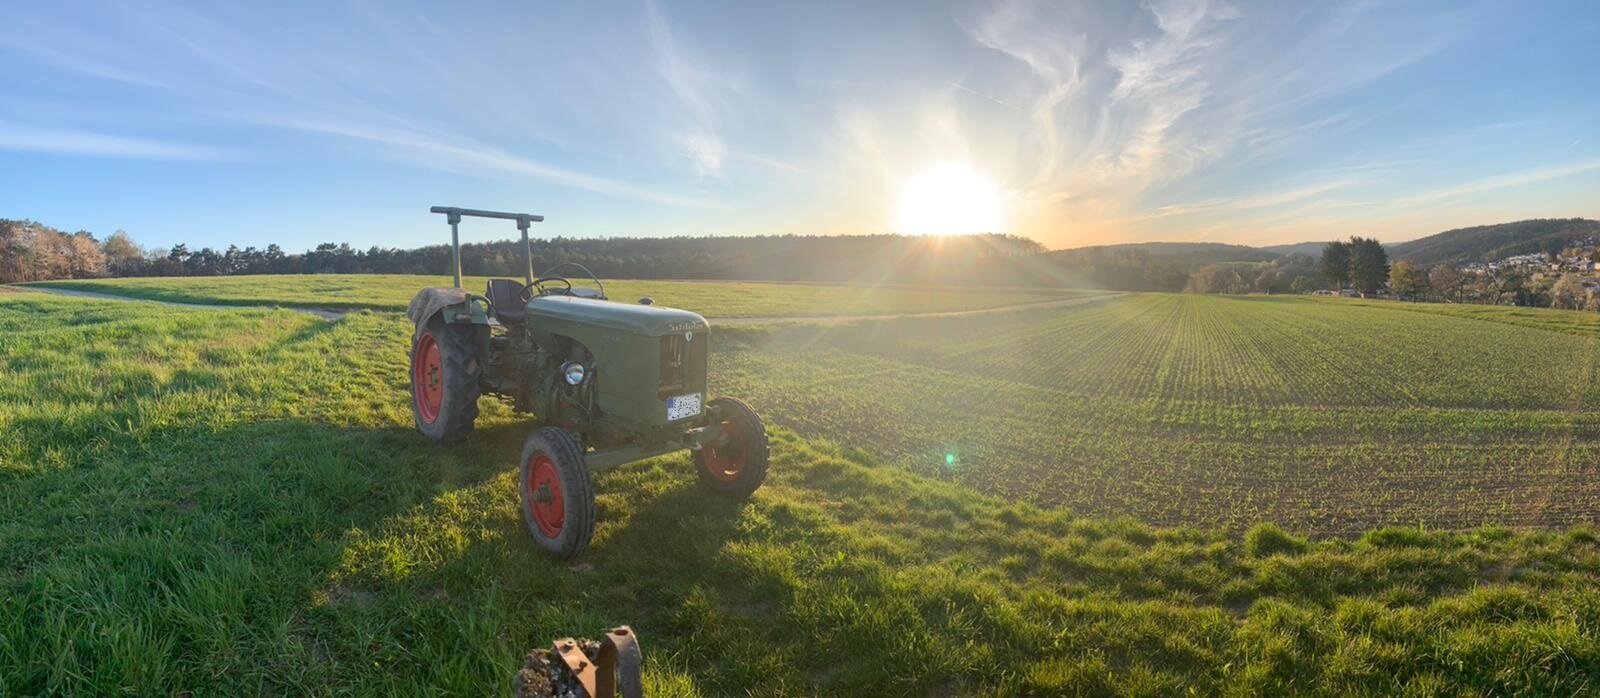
<point>1579,322</point>
<point>1253,352</point>
<point>225,502</point>
<point>392,292</point>
<point>1196,410</point>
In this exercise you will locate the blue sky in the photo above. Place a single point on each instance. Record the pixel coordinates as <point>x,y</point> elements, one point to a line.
<point>297,123</point>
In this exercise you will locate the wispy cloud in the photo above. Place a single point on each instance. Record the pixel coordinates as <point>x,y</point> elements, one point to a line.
<point>1056,60</point>
<point>983,95</point>
<point>1145,118</point>
<point>226,75</point>
<point>1113,113</point>
<point>1251,202</point>
<point>77,60</point>
<point>88,143</point>
<point>1161,80</point>
<point>470,157</point>
<point>1516,178</point>
<point>692,85</point>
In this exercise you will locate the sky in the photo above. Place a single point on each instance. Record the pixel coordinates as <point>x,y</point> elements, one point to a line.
<point>1083,123</point>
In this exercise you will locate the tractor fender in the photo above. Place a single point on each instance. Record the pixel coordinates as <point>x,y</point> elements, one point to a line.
<point>457,306</point>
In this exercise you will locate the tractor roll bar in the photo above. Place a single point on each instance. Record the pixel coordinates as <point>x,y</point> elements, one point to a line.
<point>453,216</point>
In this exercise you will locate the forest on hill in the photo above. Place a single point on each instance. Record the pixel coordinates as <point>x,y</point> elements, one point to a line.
<point>32,251</point>
<point>1485,243</point>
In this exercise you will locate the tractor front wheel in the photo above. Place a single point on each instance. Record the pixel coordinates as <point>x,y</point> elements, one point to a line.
<point>557,492</point>
<point>445,367</point>
<point>736,465</point>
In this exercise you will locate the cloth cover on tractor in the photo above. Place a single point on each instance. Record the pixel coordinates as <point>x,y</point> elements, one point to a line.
<point>431,300</point>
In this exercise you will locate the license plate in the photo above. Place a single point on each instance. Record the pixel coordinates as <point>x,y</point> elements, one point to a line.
<point>683,407</point>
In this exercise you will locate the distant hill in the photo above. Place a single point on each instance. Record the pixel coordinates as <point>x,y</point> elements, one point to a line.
<point>1173,252</point>
<point>1478,243</point>
<point>1312,249</point>
<point>1490,242</point>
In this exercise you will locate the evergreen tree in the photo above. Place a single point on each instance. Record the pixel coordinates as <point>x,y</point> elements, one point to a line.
<point>1336,263</point>
<point>1369,265</point>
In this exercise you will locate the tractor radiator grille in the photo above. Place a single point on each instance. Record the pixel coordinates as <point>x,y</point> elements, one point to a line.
<point>683,364</point>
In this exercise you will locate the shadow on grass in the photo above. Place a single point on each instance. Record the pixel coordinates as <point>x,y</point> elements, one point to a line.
<point>456,590</point>
<point>305,556</point>
<point>127,555</point>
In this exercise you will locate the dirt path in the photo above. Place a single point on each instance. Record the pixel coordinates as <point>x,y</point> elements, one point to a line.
<point>728,321</point>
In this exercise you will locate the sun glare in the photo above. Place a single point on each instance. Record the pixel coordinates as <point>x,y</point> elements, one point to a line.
<point>949,199</point>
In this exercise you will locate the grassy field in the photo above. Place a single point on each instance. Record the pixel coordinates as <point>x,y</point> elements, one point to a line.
<point>1570,322</point>
<point>235,502</point>
<point>1323,416</point>
<point>709,298</point>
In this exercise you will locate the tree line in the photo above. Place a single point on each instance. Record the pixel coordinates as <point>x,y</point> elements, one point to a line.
<point>1126,268</point>
<point>1362,265</point>
<point>1294,273</point>
<point>32,251</point>
<point>1522,286</point>
<point>1119,269</point>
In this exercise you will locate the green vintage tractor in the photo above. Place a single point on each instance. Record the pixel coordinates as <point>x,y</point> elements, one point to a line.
<point>608,382</point>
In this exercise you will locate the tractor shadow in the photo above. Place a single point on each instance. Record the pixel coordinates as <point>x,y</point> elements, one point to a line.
<point>289,491</point>
<point>656,529</point>
<point>658,550</point>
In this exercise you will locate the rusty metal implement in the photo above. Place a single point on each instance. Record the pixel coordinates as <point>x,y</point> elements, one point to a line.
<point>605,669</point>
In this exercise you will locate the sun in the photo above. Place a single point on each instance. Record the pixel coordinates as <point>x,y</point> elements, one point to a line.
<point>949,199</point>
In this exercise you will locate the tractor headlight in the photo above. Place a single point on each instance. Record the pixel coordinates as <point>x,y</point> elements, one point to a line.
<point>573,372</point>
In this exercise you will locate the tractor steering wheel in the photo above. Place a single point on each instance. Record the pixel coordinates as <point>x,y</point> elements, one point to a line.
<point>601,287</point>
<point>528,291</point>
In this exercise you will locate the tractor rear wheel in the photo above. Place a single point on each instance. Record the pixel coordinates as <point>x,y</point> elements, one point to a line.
<point>557,492</point>
<point>445,368</point>
<point>737,466</point>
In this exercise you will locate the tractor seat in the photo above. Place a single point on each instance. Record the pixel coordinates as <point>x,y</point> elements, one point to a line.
<point>505,297</point>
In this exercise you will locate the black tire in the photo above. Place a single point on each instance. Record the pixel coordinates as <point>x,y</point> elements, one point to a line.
<point>736,468</point>
<point>564,531</point>
<point>444,395</point>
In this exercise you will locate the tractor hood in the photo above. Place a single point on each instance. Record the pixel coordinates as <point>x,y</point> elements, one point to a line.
<point>652,320</point>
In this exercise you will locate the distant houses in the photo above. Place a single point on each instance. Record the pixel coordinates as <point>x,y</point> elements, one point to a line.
<point>1534,262</point>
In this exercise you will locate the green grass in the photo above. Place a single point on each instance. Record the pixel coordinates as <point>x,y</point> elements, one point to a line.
<point>1569,321</point>
<point>1222,412</point>
<point>234,502</point>
<point>716,299</point>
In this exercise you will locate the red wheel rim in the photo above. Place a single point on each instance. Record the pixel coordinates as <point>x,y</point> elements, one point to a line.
<point>427,378</point>
<point>544,496</point>
<point>727,462</point>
